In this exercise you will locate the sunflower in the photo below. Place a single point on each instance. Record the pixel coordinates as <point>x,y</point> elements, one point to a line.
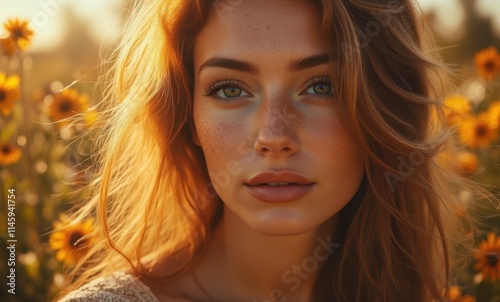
<point>9,92</point>
<point>454,294</point>
<point>487,62</point>
<point>71,240</point>
<point>9,153</point>
<point>467,163</point>
<point>494,111</point>
<point>8,46</point>
<point>488,257</point>
<point>478,131</point>
<point>456,108</point>
<point>19,36</point>
<point>66,104</point>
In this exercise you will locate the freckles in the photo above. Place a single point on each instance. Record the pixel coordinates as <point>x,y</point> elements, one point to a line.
<point>278,114</point>
<point>219,139</point>
<point>331,136</point>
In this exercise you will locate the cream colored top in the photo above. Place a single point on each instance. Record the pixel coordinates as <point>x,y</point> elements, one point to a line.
<point>119,287</point>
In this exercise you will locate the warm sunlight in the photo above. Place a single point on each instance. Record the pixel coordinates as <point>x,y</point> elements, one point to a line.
<point>250,150</point>
<point>49,18</point>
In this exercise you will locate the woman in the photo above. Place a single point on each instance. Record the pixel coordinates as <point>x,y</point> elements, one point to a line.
<point>270,151</point>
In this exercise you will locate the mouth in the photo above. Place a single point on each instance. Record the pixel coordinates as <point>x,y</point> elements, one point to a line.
<point>279,192</point>
<point>278,178</point>
<point>279,186</point>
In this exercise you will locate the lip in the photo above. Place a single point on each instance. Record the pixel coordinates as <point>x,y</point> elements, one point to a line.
<point>298,186</point>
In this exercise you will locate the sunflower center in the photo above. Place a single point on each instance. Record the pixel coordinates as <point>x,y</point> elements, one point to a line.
<point>65,106</point>
<point>6,149</point>
<point>492,259</point>
<point>17,33</point>
<point>481,130</point>
<point>489,65</point>
<point>3,96</point>
<point>74,238</point>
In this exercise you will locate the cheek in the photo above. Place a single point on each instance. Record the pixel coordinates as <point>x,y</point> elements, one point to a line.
<point>326,132</point>
<point>219,137</point>
<point>336,148</point>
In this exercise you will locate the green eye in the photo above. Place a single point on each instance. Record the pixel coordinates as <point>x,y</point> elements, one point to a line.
<point>226,90</point>
<point>231,92</point>
<point>321,88</point>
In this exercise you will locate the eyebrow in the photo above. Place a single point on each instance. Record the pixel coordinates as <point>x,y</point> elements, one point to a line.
<point>230,64</point>
<point>308,62</point>
<point>244,66</point>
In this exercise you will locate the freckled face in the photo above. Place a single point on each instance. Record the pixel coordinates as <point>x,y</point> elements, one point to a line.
<point>263,101</point>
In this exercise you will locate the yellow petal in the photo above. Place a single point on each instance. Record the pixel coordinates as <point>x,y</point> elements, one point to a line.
<point>12,82</point>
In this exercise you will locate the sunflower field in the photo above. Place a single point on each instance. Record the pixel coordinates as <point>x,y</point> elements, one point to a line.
<point>46,155</point>
<point>42,166</point>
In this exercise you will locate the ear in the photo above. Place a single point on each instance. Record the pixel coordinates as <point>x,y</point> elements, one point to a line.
<point>194,136</point>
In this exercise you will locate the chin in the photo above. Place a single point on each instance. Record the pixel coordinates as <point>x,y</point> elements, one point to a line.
<point>282,223</point>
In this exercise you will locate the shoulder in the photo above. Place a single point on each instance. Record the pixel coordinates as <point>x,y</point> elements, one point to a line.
<point>119,287</point>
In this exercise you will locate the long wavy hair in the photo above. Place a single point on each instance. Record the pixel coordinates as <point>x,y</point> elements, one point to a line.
<point>152,196</point>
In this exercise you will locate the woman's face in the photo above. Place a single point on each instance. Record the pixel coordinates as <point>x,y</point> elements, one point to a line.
<point>263,102</point>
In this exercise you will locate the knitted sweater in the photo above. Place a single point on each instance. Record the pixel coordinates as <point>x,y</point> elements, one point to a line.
<point>119,287</point>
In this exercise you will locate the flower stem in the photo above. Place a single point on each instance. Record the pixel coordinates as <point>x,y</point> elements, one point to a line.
<point>26,119</point>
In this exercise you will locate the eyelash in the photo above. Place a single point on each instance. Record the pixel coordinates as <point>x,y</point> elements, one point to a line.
<point>215,87</point>
<point>321,80</point>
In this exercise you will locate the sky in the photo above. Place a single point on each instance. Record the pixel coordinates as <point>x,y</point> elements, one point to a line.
<point>450,14</point>
<point>47,17</point>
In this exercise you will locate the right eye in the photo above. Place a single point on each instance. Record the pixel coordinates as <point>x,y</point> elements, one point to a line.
<point>226,90</point>
<point>320,86</point>
<point>229,92</point>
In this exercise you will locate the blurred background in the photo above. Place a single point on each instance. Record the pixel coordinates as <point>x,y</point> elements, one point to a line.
<point>53,75</point>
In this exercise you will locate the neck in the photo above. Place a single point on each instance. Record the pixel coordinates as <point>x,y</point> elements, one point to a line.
<point>268,267</point>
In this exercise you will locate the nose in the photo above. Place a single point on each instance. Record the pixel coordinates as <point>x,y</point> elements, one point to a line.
<point>276,136</point>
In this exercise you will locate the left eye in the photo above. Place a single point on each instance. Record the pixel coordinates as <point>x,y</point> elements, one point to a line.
<point>230,92</point>
<point>319,88</point>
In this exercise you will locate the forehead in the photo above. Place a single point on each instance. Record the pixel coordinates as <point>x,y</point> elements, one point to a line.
<point>258,27</point>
